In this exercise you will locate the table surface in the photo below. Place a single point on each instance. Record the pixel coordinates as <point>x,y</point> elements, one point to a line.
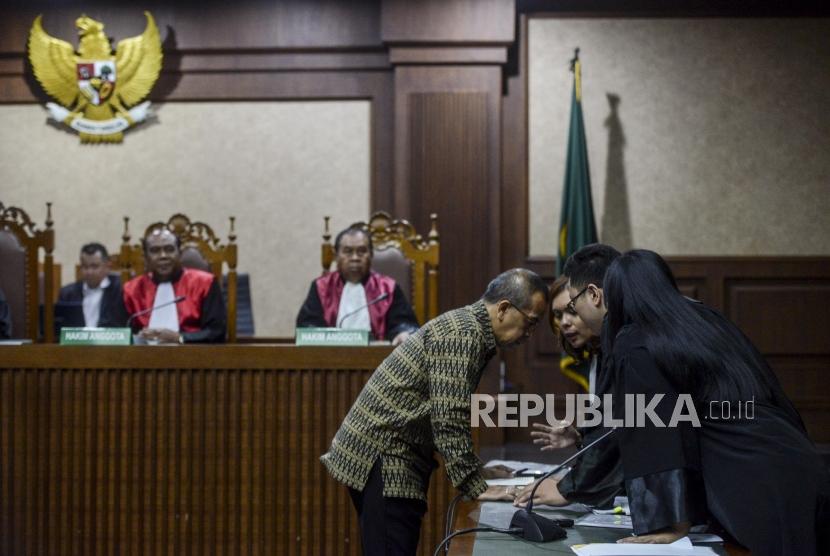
<point>468,513</point>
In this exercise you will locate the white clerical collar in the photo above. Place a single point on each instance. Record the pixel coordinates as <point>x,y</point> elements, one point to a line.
<point>105,283</point>
<point>164,314</point>
<point>353,307</point>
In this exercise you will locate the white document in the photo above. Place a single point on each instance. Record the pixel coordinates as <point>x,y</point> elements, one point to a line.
<point>611,521</point>
<point>512,481</point>
<point>682,547</point>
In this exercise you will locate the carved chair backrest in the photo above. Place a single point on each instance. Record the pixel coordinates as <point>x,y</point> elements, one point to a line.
<point>20,245</point>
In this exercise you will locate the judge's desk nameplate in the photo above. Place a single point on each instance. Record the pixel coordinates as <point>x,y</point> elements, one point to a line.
<point>331,337</point>
<point>88,336</point>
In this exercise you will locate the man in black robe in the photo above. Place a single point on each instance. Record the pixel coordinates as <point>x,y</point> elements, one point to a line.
<point>597,477</point>
<point>355,296</point>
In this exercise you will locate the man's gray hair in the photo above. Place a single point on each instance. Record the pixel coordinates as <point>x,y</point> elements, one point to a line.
<point>518,286</point>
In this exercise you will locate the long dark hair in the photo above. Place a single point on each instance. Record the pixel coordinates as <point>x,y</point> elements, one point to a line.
<point>699,349</point>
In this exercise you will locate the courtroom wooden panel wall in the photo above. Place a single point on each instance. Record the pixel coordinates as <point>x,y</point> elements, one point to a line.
<point>447,162</point>
<point>180,451</point>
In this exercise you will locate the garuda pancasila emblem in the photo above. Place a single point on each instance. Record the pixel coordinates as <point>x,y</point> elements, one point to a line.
<point>94,86</point>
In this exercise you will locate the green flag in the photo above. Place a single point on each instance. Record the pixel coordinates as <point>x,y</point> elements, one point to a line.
<point>576,222</point>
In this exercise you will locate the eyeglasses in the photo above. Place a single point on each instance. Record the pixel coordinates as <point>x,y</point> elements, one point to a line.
<point>571,306</point>
<point>530,320</point>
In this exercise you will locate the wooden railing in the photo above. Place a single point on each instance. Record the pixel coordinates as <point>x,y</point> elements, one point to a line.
<point>180,450</point>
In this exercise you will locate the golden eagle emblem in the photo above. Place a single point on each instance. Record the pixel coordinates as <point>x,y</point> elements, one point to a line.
<point>94,86</point>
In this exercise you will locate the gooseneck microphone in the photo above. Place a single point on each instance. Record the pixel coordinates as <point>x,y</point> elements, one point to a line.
<point>175,300</point>
<point>381,297</point>
<point>535,527</point>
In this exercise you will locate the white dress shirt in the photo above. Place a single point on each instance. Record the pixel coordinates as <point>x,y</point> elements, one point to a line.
<point>92,302</point>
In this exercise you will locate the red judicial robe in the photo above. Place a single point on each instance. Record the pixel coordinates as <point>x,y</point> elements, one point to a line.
<point>202,316</point>
<point>388,317</point>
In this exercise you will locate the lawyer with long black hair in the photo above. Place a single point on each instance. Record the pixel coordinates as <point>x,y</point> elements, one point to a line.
<point>755,472</point>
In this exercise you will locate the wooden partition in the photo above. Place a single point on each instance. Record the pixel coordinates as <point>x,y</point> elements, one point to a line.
<point>180,450</point>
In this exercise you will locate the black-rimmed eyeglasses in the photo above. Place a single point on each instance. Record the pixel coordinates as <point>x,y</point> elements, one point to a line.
<point>571,306</point>
<point>529,319</point>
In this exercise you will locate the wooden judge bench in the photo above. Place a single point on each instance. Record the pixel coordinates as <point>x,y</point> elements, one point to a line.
<point>180,450</point>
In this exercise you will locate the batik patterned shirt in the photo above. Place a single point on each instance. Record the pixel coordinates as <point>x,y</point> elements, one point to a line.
<point>417,401</point>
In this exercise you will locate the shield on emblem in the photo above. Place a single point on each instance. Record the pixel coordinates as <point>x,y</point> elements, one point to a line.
<point>96,80</point>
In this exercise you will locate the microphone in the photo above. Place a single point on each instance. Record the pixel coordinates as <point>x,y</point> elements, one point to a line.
<point>535,527</point>
<point>175,300</point>
<point>381,297</point>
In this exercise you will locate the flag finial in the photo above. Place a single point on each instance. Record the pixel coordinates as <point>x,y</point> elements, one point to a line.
<point>575,59</point>
<point>576,68</point>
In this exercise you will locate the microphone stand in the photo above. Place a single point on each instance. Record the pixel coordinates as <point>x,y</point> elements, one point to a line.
<point>178,299</point>
<point>381,297</point>
<point>535,527</point>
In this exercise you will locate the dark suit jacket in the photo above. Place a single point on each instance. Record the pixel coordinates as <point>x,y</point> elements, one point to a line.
<point>5,318</point>
<point>113,313</point>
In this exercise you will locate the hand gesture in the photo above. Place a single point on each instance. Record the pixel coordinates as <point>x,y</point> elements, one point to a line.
<point>561,435</point>
<point>497,472</point>
<point>547,493</point>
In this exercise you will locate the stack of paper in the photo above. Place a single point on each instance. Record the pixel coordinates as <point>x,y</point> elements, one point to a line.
<point>682,547</point>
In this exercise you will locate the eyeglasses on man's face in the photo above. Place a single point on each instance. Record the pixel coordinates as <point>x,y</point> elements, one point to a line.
<point>571,306</point>
<point>530,320</point>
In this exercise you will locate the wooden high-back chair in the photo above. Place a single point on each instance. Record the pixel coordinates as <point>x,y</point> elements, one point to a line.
<point>402,253</point>
<point>200,248</point>
<point>20,246</point>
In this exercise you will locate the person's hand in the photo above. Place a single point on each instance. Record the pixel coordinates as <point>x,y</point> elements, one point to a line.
<point>497,472</point>
<point>561,435</point>
<point>494,493</point>
<point>400,338</point>
<point>547,493</point>
<point>160,335</point>
<point>664,536</point>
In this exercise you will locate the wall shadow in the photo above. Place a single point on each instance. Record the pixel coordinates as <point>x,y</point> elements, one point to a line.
<point>171,72</point>
<point>616,214</point>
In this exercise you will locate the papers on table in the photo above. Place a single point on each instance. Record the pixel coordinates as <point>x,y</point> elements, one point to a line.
<point>682,547</point>
<point>524,465</point>
<point>528,466</point>
<point>512,481</point>
<point>613,521</point>
<point>620,507</point>
<point>704,538</point>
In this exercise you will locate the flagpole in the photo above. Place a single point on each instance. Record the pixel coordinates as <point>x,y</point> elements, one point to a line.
<point>576,68</point>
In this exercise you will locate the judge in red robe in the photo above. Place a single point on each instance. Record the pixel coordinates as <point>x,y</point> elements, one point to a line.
<point>356,297</point>
<point>187,303</point>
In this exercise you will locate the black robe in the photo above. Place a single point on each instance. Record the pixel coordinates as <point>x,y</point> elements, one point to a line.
<point>5,318</point>
<point>760,478</point>
<point>399,318</point>
<point>597,476</point>
<point>112,311</point>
